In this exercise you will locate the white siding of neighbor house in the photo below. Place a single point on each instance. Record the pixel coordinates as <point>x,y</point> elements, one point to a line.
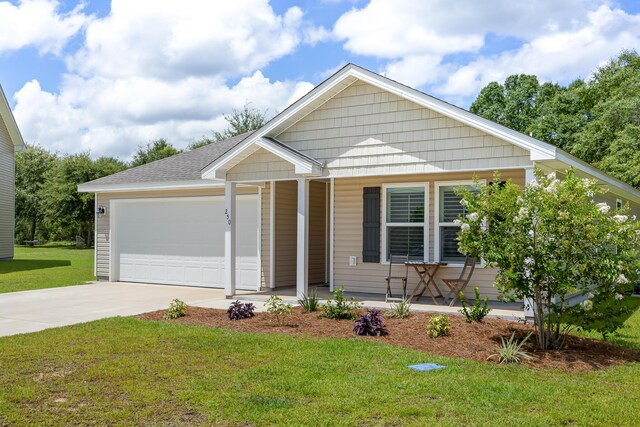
<point>366,131</point>
<point>261,165</point>
<point>7,193</point>
<point>370,277</point>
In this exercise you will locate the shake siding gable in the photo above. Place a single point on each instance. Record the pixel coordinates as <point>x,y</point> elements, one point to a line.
<point>7,193</point>
<point>261,165</point>
<point>367,131</point>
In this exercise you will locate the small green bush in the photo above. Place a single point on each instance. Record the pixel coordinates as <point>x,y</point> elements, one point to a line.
<point>176,309</point>
<point>309,303</point>
<point>278,308</point>
<point>401,310</point>
<point>340,307</point>
<point>478,311</point>
<point>510,351</point>
<point>438,326</point>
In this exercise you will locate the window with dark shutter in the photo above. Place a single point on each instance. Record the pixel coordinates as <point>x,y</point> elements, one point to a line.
<point>371,224</point>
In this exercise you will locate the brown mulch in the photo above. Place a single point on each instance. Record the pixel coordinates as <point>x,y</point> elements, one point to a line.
<point>474,341</point>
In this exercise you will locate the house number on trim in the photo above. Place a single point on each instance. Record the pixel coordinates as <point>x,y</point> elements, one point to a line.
<point>226,212</point>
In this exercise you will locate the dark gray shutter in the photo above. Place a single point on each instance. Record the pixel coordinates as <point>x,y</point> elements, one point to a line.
<point>371,224</point>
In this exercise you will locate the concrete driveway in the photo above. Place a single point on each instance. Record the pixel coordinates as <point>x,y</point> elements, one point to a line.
<point>31,311</point>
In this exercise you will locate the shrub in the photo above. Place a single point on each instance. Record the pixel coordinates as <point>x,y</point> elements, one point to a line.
<point>176,309</point>
<point>510,351</point>
<point>239,311</point>
<point>370,324</point>
<point>438,326</point>
<point>401,310</point>
<point>340,307</point>
<point>478,311</point>
<point>309,303</point>
<point>278,308</point>
<point>550,240</point>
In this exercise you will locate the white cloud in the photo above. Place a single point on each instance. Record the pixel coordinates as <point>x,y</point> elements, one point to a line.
<point>38,23</point>
<point>556,56</point>
<point>155,69</point>
<point>421,43</point>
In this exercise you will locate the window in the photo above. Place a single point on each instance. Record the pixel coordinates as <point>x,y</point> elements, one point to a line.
<point>448,208</point>
<point>618,204</point>
<point>404,227</point>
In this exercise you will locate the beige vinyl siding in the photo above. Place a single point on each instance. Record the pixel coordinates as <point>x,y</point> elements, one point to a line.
<point>103,226</point>
<point>7,193</point>
<point>317,231</point>
<point>261,165</point>
<point>370,277</point>
<point>366,131</point>
<point>286,233</point>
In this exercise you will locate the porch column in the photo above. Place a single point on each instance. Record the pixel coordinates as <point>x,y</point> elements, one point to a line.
<point>302,264</point>
<point>529,306</point>
<point>230,239</point>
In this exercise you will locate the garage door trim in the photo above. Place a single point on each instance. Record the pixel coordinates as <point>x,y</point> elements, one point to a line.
<point>114,268</point>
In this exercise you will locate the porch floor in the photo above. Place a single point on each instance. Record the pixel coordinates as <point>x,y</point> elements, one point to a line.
<point>509,311</point>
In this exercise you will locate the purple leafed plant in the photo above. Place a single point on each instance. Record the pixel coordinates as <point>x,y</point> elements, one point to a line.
<point>239,311</point>
<point>370,324</point>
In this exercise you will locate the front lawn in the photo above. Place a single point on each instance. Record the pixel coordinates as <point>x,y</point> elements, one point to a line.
<point>48,266</point>
<point>134,372</point>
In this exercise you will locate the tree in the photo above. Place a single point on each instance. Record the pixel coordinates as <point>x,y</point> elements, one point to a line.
<point>513,104</point>
<point>239,121</point>
<point>32,165</point>
<point>67,208</point>
<point>155,150</point>
<point>550,240</point>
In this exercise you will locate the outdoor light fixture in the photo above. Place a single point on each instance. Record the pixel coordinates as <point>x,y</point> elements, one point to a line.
<point>101,210</point>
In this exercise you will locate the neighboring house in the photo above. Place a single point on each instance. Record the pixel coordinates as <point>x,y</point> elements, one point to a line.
<point>360,167</point>
<point>10,142</point>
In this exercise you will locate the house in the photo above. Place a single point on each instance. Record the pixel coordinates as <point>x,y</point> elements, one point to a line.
<point>360,167</point>
<point>10,142</point>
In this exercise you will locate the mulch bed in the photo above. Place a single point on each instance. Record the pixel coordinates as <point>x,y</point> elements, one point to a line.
<point>474,341</point>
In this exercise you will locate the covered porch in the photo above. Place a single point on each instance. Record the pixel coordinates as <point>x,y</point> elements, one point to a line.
<point>509,311</point>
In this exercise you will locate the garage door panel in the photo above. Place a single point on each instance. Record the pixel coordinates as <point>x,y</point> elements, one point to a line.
<point>181,241</point>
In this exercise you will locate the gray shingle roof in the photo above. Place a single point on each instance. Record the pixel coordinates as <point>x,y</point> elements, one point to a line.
<point>185,166</point>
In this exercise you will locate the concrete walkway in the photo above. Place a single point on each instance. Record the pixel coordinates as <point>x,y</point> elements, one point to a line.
<point>31,311</point>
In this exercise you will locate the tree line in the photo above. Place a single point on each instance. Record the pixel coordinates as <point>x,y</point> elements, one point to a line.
<point>48,204</point>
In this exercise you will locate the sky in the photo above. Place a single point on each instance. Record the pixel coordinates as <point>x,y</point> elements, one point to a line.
<point>105,77</point>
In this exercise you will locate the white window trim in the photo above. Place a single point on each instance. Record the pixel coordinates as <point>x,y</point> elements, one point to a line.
<point>383,216</point>
<point>619,202</point>
<point>436,216</point>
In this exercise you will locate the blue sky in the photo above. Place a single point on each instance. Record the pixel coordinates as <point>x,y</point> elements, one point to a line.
<point>105,77</point>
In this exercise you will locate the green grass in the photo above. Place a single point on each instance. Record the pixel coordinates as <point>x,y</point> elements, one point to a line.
<point>48,266</point>
<point>124,371</point>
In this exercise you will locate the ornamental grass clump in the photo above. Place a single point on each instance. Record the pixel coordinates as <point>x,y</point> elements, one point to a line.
<point>370,324</point>
<point>438,326</point>
<point>340,307</point>
<point>309,303</point>
<point>549,241</point>
<point>478,311</point>
<point>278,309</point>
<point>239,311</point>
<point>176,309</point>
<point>510,351</point>
<point>401,310</point>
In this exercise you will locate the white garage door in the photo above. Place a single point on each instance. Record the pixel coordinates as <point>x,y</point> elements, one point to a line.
<point>180,241</point>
